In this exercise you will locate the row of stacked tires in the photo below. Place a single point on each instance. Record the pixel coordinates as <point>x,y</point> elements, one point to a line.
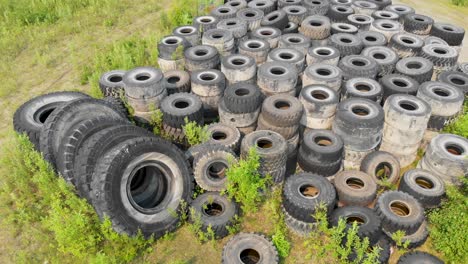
<point>336,96</point>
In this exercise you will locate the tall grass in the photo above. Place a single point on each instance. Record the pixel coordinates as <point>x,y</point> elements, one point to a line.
<point>460,2</point>
<point>46,212</point>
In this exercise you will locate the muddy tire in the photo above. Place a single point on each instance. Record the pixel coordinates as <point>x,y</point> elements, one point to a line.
<point>346,43</point>
<point>362,88</point>
<point>177,82</point>
<point>418,24</point>
<point>253,17</point>
<point>457,79</point>
<point>406,45</point>
<point>226,135</point>
<point>277,19</point>
<point>323,54</point>
<point>201,57</point>
<point>358,66</point>
<point>177,107</point>
<point>418,68</point>
<point>372,39</point>
<point>453,35</point>
<point>205,23</point>
<point>339,13</point>
<point>239,68</point>
<point>323,74</point>
<point>142,207</point>
<point>316,27</point>
<point>242,98</point>
<point>111,83</point>
<point>255,48</point>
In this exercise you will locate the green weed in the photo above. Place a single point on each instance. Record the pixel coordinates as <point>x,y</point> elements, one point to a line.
<point>43,204</point>
<point>244,183</point>
<point>460,2</point>
<point>196,227</point>
<point>195,133</point>
<point>276,215</point>
<point>326,243</point>
<point>460,125</point>
<point>449,225</point>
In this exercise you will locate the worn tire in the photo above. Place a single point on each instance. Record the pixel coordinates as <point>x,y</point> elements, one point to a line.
<point>399,211</point>
<point>457,79</point>
<point>406,45</point>
<point>255,48</point>
<point>190,108</point>
<point>381,164</point>
<point>355,188</point>
<point>418,24</point>
<point>252,16</point>
<point>398,84</point>
<point>201,57</point>
<point>205,23</point>
<point>226,135</point>
<point>282,111</point>
<point>419,257</point>
<point>276,77</point>
<point>420,69</point>
<point>316,27</point>
<point>143,82</point>
<point>209,167</point>
<point>242,98</point>
<point>426,187</point>
<point>358,66</point>
<point>215,211</point>
<point>453,35</point>
<point>362,88</point>
<point>385,57</point>
<point>277,19</point>
<point>346,43</point>
<point>324,55</point>
<point>372,38</point>
<point>121,165</point>
<point>177,82</point>
<point>111,83</point>
<point>323,74</point>
<point>249,248</point>
<point>368,221</point>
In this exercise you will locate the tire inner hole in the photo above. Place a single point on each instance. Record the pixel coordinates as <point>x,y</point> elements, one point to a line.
<point>351,219</point>
<point>224,11</point>
<point>181,104</point>
<point>264,143</point>
<point>148,187</point>
<point>277,71</point>
<point>360,110</point>
<point>399,208</point>
<point>309,191</point>
<point>346,40</point>
<point>324,72</point>
<point>286,56</point>
<point>387,26</point>
<point>323,52</point>
<point>171,41</point>
<point>115,79</point>
<point>213,209</point>
<point>455,149</point>
<point>407,105</point>
<point>231,23</point>
<point>341,9</point>
<point>217,171</point>
<point>295,40</point>
<point>186,30</point>
<point>424,183</point>
<point>217,36</point>
<point>242,92</point>
<point>400,83</point>
<point>253,45</point>
<point>45,114</point>
<point>362,87</point>
<point>282,105</point>
<point>457,81</point>
<point>273,17</point>
<point>359,63</point>
<point>355,183</point>
<point>142,77</point>
<point>201,52</point>
<point>266,33</point>
<point>323,141</point>
<point>383,171</point>
<point>441,92</point>
<point>249,256</point>
<point>173,79</point>
<point>379,56</point>
<point>360,19</point>
<point>206,20</point>
<point>315,23</point>
<point>319,95</point>
<point>407,40</point>
<point>440,51</point>
<point>239,62</point>
<point>370,38</point>
<point>207,77</point>
<point>448,29</point>
<point>414,65</point>
<point>218,135</point>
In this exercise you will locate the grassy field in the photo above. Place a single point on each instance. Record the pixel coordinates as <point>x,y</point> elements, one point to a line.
<point>66,45</point>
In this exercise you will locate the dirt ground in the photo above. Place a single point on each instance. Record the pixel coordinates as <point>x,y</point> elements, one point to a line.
<point>57,66</point>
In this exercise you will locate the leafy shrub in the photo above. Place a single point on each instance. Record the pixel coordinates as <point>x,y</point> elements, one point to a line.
<point>244,183</point>
<point>448,225</point>
<point>195,133</point>
<point>276,215</point>
<point>39,202</point>
<point>326,243</point>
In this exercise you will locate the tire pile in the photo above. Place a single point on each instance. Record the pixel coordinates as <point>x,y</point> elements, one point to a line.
<point>335,95</point>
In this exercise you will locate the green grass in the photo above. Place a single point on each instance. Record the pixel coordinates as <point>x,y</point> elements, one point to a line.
<point>45,210</point>
<point>460,2</point>
<point>460,125</point>
<point>449,225</point>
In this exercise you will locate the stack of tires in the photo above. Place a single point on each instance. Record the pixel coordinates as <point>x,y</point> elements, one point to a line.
<point>144,90</point>
<point>303,83</point>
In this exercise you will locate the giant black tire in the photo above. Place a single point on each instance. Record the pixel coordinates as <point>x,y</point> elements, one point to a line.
<point>282,110</point>
<point>418,68</point>
<point>224,12</point>
<point>210,166</point>
<point>381,166</point>
<point>117,103</point>
<point>315,166</point>
<point>74,138</point>
<point>266,6</point>
<point>358,66</point>
<point>426,187</point>
<point>355,188</point>
<point>385,57</point>
<point>416,257</point>
<point>453,35</point>
<point>169,46</point>
<point>30,117</point>
<point>249,248</point>
<point>215,211</point>
<point>442,56</point>
<point>143,82</point>
<point>406,45</point>
<point>242,98</point>
<point>135,163</point>
<point>316,7</point>
<point>205,23</point>
<point>399,211</point>
<point>372,39</point>
<point>93,149</point>
<point>237,26</point>
<point>339,13</point>
<point>180,106</point>
<point>368,221</point>
<point>303,192</point>
<point>398,84</point>
<point>253,16</point>
<point>111,83</point>
<point>65,117</point>
<point>177,81</point>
